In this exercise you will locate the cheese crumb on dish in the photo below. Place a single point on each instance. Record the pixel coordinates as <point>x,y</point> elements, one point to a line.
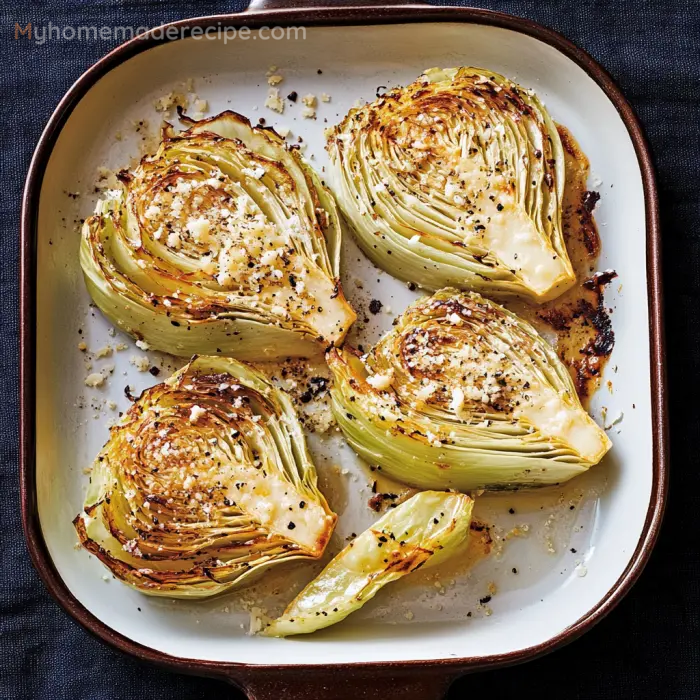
<point>140,362</point>
<point>95,379</point>
<point>201,107</point>
<point>171,101</point>
<point>274,101</point>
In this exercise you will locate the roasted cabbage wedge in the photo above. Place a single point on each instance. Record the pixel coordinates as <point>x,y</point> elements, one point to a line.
<point>463,394</point>
<point>223,242</point>
<point>423,531</point>
<point>457,180</point>
<point>204,485</point>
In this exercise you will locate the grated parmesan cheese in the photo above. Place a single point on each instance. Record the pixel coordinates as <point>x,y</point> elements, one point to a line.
<point>274,101</point>
<point>196,412</point>
<point>95,379</point>
<point>381,381</point>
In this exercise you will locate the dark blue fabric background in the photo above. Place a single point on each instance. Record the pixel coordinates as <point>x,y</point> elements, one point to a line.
<point>649,646</point>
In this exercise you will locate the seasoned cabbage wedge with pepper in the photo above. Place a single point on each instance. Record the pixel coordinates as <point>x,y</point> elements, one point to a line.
<point>464,394</point>
<point>223,242</point>
<point>425,530</point>
<point>457,180</point>
<point>204,485</point>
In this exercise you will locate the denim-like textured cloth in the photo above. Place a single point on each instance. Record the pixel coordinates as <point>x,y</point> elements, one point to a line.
<point>648,648</point>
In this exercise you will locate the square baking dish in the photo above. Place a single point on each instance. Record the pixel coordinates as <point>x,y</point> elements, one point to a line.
<point>348,52</point>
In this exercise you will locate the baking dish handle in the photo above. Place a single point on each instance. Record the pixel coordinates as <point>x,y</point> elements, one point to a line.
<point>348,683</point>
<point>263,5</point>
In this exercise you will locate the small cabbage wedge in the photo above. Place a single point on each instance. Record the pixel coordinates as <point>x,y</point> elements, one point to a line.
<point>204,485</point>
<point>463,394</point>
<point>423,531</point>
<point>457,180</point>
<point>223,242</point>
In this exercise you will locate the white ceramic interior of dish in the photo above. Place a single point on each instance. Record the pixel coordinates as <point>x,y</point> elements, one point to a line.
<point>553,589</point>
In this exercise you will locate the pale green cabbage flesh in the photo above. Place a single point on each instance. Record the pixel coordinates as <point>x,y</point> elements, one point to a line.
<point>425,530</point>
<point>457,180</point>
<point>223,242</point>
<point>205,484</point>
<point>464,394</point>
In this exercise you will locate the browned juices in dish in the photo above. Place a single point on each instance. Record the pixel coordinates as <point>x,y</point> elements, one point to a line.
<point>479,547</point>
<point>578,319</point>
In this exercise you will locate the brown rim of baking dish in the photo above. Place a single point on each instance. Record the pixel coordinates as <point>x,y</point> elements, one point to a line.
<point>409,679</point>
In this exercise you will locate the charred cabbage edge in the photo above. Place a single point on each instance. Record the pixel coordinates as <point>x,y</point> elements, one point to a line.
<point>470,397</point>
<point>457,180</point>
<point>223,242</point>
<point>204,485</point>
